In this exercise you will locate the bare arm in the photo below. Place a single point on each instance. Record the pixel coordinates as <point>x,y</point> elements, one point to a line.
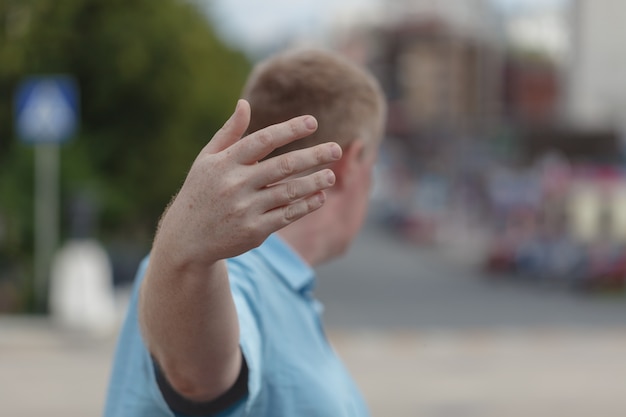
<point>228,204</point>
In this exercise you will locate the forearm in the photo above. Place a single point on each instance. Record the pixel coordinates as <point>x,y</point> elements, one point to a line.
<point>189,323</point>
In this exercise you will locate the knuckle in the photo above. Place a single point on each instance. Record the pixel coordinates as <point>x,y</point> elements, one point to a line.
<point>227,188</point>
<point>291,189</point>
<point>286,165</point>
<point>238,211</point>
<point>319,154</point>
<point>249,232</point>
<point>319,181</point>
<point>294,129</point>
<point>310,205</point>
<point>265,138</point>
<point>291,213</point>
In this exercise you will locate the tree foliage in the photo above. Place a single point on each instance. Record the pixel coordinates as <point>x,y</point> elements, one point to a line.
<point>155,84</point>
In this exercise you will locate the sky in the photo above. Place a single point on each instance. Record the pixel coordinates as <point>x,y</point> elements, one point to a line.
<point>253,24</point>
<point>521,4</point>
<point>256,24</point>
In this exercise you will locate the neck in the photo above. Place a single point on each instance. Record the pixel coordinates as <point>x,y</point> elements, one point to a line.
<point>307,249</point>
<point>310,239</point>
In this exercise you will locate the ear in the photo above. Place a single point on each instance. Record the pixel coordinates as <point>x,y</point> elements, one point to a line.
<point>348,166</point>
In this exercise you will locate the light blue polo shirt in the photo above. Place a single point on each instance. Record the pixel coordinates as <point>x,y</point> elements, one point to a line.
<point>293,371</point>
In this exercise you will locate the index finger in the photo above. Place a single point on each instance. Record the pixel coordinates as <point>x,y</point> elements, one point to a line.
<point>257,145</point>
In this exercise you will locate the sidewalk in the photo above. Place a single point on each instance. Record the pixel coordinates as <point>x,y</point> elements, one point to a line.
<point>494,374</point>
<point>503,373</point>
<point>45,371</point>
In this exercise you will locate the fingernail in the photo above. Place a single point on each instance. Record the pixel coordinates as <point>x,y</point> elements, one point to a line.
<point>310,122</point>
<point>335,151</point>
<point>330,177</point>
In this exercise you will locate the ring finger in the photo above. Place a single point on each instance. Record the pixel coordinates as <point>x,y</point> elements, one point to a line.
<point>294,163</point>
<point>286,192</point>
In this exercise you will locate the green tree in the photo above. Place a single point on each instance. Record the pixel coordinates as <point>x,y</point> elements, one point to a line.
<point>156,83</point>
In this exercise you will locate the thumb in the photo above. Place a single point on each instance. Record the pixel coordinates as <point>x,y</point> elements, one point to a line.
<point>233,129</point>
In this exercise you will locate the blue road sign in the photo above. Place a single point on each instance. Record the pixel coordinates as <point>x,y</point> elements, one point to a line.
<point>46,109</point>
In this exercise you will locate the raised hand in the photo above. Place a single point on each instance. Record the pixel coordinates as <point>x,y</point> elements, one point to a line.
<point>230,202</point>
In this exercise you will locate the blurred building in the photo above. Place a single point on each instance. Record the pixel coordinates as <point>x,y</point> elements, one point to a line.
<point>439,79</point>
<point>564,80</point>
<point>537,46</point>
<point>596,91</point>
<point>531,91</point>
<point>440,63</point>
<point>458,71</point>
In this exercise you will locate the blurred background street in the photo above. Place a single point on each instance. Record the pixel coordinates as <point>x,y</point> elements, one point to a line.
<point>422,335</point>
<point>490,279</point>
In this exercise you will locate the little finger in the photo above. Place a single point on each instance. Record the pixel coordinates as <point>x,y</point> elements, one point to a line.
<point>282,216</point>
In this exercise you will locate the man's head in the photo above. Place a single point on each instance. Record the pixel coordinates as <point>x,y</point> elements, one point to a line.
<point>350,109</point>
<point>344,98</point>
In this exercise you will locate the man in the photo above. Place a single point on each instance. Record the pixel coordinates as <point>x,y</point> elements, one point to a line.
<point>223,321</point>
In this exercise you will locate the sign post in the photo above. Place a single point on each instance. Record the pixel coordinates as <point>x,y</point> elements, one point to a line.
<point>46,113</point>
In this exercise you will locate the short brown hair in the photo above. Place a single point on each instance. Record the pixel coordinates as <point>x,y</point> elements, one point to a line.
<point>344,97</point>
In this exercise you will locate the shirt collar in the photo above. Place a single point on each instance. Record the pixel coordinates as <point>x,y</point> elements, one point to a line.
<point>290,267</point>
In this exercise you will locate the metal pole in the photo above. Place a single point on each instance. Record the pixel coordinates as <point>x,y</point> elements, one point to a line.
<point>46,217</point>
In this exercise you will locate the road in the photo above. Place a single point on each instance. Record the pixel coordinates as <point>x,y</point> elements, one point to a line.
<point>383,282</point>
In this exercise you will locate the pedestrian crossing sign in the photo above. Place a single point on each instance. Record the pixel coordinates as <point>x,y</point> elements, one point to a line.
<point>46,109</point>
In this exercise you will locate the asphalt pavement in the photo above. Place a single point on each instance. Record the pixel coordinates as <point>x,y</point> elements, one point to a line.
<point>385,282</point>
